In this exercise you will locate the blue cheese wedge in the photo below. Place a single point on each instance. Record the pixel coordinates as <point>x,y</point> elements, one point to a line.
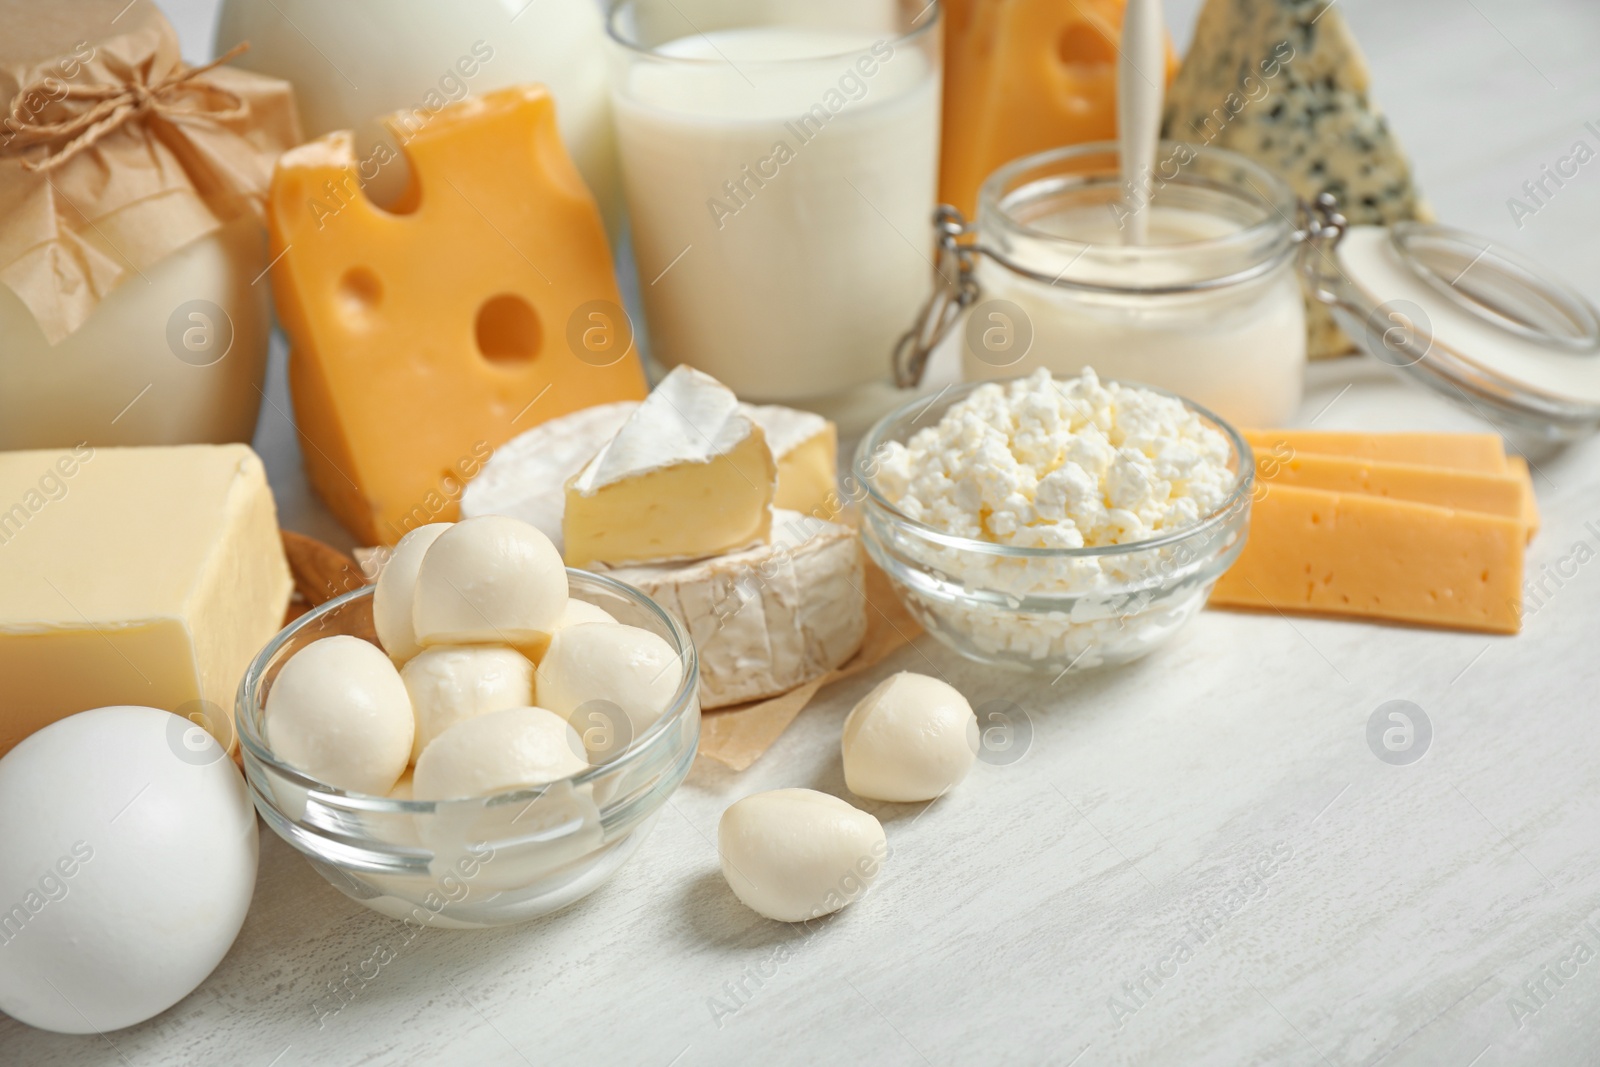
<point>1284,83</point>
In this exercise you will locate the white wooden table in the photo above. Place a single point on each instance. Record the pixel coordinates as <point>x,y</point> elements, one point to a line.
<point>1420,914</point>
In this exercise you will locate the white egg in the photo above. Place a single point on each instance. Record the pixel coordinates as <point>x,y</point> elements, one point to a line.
<point>598,668</point>
<point>449,683</point>
<point>497,753</point>
<point>796,854</point>
<point>911,738</point>
<point>127,863</point>
<point>397,584</point>
<point>339,712</point>
<point>489,580</point>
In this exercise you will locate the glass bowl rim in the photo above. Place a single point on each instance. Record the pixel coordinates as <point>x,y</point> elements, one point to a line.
<point>614,9</point>
<point>876,437</point>
<point>256,747</point>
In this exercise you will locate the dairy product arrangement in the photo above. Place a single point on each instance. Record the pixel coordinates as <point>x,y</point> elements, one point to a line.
<point>669,384</point>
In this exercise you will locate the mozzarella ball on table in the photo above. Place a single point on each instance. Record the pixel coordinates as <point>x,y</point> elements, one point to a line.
<point>496,753</point>
<point>606,663</point>
<point>339,712</point>
<point>450,683</point>
<point>127,863</point>
<point>489,580</point>
<point>911,738</point>
<point>397,584</point>
<point>796,854</point>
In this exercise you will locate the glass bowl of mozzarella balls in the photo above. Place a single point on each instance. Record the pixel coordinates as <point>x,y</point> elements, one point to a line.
<point>482,737</point>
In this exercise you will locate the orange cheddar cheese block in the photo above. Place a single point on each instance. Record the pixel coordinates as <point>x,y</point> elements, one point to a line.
<point>1481,452</point>
<point>424,336</point>
<point>1022,76</point>
<point>1354,554</point>
<point>1530,502</point>
<point>1460,490</point>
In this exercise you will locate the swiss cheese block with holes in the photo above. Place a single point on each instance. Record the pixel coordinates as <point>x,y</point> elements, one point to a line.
<point>1354,554</point>
<point>1021,77</point>
<point>482,303</point>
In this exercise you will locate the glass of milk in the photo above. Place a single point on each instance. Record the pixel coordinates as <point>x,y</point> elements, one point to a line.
<point>1210,308</point>
<point>780,162</point>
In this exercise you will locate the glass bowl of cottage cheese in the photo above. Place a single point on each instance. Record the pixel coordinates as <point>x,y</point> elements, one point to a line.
<point>1054,524</point>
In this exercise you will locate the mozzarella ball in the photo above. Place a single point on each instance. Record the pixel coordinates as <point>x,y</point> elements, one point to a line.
<point>489,580</point>
<point>497,753</point>
<point>402,788</point>
<point>607,663</point>
<point>127,863</point>
<point>795,854</point>
<point>911,738</point>
<point>577,613</point>
<point>397,584</point>
<point>338,711</point>
<point>449,683</point>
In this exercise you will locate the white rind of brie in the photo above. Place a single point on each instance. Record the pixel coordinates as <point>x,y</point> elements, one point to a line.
<point>769,618</point>
<point>526,477</point>
<point>689,418</point>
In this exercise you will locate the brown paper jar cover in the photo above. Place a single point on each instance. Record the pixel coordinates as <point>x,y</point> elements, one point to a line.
<point>189,157</point>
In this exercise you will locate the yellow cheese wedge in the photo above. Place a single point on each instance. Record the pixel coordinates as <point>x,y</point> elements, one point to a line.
<point>689,475</point>
<point>807,449</point>
<point>1353,554</point>
<point>1530,502</point>
<point>1482,452</point>
<point>424,337</point>
<point>1461,490</point>
<point>1023,76</point>
<point>134,576</point>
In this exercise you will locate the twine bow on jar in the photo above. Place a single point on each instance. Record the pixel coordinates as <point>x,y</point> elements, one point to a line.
<point>93,111</point>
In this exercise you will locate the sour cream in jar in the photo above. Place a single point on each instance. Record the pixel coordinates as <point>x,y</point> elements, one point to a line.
<point>1210,308</point>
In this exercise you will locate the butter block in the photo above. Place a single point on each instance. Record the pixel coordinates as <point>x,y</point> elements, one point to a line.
<point>688,475</point>
<point>425,336</point>
<point>1461,490</point>
<point>1482,452</point>
<point>1352,554</point>
<point>147,576</point>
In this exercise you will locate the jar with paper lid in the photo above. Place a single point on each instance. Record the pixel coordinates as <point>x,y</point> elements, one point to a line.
<point>131,242</point>
<point>1209,307</point>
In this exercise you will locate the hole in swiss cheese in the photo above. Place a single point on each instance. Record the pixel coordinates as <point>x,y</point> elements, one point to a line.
<point>507,329</point>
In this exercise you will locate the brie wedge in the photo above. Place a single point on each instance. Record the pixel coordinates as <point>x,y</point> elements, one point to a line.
<point>806,446</point>
<point>769,618</point>
<point>689,475</point>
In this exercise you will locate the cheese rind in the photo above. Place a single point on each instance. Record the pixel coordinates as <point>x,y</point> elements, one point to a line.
<point>1461,490</point>
<point>424,336</point>
<point>140,576</point>
<point>766,619</point>
<point>1284,83</point>
<point>1482,452</point>
<point>689,475</point>
<point>1352,554</point>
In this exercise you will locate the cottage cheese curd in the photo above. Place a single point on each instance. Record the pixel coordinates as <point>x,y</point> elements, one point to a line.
<point>1039,463</point>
